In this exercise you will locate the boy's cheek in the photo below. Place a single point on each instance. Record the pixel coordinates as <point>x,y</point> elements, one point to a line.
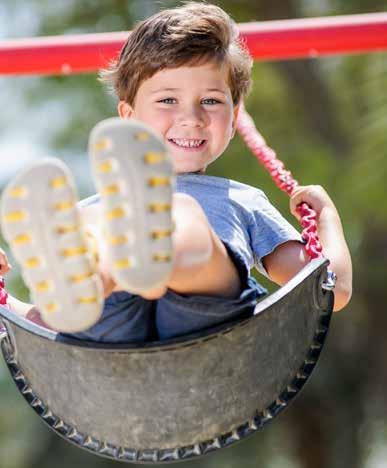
<point>157,119</point>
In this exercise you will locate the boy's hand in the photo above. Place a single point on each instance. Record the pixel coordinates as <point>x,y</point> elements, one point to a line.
<point>315,196</point>
<point>4,264</point>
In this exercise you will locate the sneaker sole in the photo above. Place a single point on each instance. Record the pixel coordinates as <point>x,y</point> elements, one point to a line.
<point>134,176</point>
<point>41,222</point>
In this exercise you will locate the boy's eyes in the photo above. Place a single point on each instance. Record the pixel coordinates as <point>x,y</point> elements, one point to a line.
<point>207,101</point>
<point>211,101</point>
<point>167,101</point>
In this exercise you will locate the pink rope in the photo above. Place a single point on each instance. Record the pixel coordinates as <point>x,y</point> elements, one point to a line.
<point>3,292</point>
<point>3,299</point>
<point>282,178</point>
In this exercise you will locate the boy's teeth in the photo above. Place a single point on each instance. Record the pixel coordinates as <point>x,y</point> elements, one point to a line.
<point>187,143</point>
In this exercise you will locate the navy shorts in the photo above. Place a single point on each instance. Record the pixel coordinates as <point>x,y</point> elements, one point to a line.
<point>128,318</point>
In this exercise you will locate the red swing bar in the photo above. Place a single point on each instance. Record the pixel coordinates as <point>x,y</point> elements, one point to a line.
<point>267,40</point>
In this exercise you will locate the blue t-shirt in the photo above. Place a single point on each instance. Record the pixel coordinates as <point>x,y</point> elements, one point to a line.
<point>241,215</point>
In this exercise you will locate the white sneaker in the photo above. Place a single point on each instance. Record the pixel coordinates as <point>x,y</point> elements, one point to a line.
<point>134,176</point>
<point>41,223</point>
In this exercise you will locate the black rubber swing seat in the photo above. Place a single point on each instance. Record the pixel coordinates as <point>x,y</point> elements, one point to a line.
<point>178,399</point>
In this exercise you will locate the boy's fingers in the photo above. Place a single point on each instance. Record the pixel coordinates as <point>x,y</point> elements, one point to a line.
<point>296,199</point>
<point>4,266</point>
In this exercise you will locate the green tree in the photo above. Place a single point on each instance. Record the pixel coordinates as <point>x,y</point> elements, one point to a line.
<point>326,118</point>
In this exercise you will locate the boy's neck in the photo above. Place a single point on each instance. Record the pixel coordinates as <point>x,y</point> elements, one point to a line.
<point>199,172</point>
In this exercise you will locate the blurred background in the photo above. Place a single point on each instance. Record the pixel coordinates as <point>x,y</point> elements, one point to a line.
<point>327,120</point>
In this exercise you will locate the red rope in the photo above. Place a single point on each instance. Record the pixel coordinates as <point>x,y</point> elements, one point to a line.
<point>3,293</point>
<point>282,178</point>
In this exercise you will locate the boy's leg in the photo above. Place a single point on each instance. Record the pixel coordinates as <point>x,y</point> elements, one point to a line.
<point>205,285</point>
<point>201,261</point>
<point>202,264</point>
<point>209,284</point>
<point>133,174</point>
<point>134,178</point>
<point>57,248</point>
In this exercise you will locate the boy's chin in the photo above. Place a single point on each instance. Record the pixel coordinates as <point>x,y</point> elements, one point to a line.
<point>184,167</point>
<point>181,170</point>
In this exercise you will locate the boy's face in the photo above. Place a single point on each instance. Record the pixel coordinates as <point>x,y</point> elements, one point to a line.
<point>191,108</point>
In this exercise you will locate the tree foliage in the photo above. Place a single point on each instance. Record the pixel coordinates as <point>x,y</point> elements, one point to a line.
<point>327,120</point>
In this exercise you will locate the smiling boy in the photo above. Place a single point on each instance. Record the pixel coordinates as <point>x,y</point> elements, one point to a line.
<point>183,73</point>
<point>196,117</point>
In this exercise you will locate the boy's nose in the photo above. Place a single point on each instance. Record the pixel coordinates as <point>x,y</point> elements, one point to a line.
<point>192,117</point>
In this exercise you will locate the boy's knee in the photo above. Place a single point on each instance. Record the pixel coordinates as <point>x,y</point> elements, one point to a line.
<point>187,206</point>
<point>192,236</point>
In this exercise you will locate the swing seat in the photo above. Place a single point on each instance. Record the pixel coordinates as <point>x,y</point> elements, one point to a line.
<point>177,399</point>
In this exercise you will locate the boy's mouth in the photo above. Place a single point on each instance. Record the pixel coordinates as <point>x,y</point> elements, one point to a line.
<point>187,143</point>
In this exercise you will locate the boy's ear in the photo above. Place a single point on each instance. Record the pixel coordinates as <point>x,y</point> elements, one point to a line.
<point>234,120</point>
<point>124,109</point>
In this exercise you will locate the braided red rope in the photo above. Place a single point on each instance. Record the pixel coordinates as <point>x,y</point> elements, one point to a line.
<point>3,292</point>
<point>282,178</point>
<point>3,300</point>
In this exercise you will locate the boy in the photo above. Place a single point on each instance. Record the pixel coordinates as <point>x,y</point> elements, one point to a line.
<point>183,74</point>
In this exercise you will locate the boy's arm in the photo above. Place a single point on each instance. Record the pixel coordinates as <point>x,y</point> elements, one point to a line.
<point>287,259</point>
<point>26,310</point>
<point>19,307</point>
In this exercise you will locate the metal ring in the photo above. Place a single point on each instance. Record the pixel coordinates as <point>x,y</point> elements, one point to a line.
<point>330,283</point>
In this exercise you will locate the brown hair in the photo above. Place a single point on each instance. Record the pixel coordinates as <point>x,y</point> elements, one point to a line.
<point>188,35</point>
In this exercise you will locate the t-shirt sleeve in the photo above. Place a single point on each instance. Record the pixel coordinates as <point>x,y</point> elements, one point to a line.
<point>268,229</point>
